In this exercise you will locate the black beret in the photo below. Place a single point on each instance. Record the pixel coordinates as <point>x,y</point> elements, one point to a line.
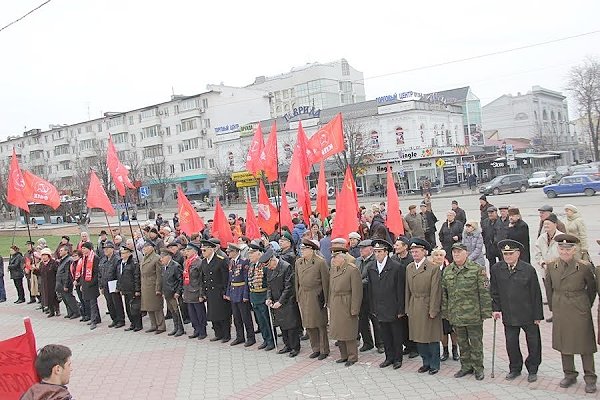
<point>552,218</point>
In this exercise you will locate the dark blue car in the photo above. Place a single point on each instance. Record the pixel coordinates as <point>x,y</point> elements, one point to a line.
<point>575,184</point>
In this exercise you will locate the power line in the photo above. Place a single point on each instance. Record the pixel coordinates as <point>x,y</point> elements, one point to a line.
<point>20,18</point>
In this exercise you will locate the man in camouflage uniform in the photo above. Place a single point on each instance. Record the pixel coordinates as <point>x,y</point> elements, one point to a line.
<point>466,308</point>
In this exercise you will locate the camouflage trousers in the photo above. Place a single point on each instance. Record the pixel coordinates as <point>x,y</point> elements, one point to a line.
<point>470,342</point>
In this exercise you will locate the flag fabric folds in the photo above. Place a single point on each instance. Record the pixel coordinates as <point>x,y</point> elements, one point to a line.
<point>40,191</point>
<point>252,229</point>
<point>327,141</point>
<point>394,218</point>
<point>269,158</point>
<point>299,166</point>
<point>189,220</point>
<point>253,163</point>
<point>322,203</point>
<point>117,170</point>
<point>221,229</point>
<point>16,187</point>
<point>351,184</point>
<point>267,212</point>
<point>97,197</point>
<point>284,210</point>
<point>346,218</point>
<point>18,369</point>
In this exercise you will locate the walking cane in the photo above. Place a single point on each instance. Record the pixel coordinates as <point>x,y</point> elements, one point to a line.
<point>494,349</point>
<point>273,331</point>
<point>180,316</point>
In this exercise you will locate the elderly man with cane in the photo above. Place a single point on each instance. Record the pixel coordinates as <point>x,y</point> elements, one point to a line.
<point>517,300</point>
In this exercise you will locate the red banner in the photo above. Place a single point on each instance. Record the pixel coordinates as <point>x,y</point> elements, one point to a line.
<point>189,220</point>
<point>96,196</point>
<point>253,163</point>
<point>40,191</point>
<point>269,159</point>
<point>118,172</point>
<point>394,218</point>
<point>327,141</point>
<point>15,185</point>
<point>267,212</point>
<point>252,229</point>
<point>284,210</point>
<point>221,228</point>
<point>17,364</point>
<point>322,203</point>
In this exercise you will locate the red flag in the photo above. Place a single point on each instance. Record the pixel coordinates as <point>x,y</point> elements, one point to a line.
<point>299,167</point>
<point>252,229</point>
<point>351,184</point>
<point>286,215</point>
<point>267,213</point>
<point>40,191</point>
<point>18,369</point>
<point>346,219</point>
<point>96,196</point>
<point>221,229</point>
<point>118,172</point>
<point>322,203</point>
<point>189,220</point>
<point>394,219</point>
<point>253,163</point>
<point>327,141</point>
<point>269,157</point>
<point>16,188</point>
<point>304,201</point>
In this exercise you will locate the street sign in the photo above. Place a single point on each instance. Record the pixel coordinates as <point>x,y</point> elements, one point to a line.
<point>510,156</point>
<point>509,149</point>
<point>440,162</point>
<point>460,169</point>
<point>144,191</point>
<point>512,164</point>
<point>246,183</point>
<point>242,176</point>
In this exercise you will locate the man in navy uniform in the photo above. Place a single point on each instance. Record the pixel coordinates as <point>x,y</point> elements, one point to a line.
<point>215,276</point>
<point>257,284</point>
<point>239,296</point>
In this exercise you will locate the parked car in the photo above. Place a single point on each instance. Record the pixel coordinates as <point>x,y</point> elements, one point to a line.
<point>199,205</point>
<point>505,184</point>
<point>575,184</point>
<point>540,178</point>
<point>593,175</point>
<point>292,202</point>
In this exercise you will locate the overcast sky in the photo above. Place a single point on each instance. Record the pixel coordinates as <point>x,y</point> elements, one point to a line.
<point>72,56</point>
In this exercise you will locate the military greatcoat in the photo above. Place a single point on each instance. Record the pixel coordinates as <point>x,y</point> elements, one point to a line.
<point>312,291</point>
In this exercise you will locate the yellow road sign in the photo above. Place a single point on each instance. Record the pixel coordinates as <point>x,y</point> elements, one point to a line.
<point>246,183</point>
<point>242,176</point>
<point>440,162</point>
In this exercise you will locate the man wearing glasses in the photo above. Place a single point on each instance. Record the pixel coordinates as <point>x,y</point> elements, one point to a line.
<point>215,276</point>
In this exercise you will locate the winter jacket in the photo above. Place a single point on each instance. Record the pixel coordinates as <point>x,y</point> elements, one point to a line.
<point>15,266</point>
<point>474,243</point>
<point>576,227</point>
<point>297,233</point>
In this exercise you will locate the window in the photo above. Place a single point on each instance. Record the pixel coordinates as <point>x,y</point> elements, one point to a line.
<point>62,149</point>
<point>168,130</point>
<point>206,123</point>
<point>169,149</point>
<point>87,144</point>
<point>99,127</point>
<point>88,128</point>
<point>113,122</point>
<point>211,163</point>
<point>192,163</point>
<point>188,124</point>
<point>123,155</point>
<point>204,103</point>
<point>189,104</point>
<point>203,162</point>
<point>345,67</point>
<point>172,168</point>
<point>153,151</point>
<point>210,143</point>
<point>131,120</point>
<point>150,132</point>
<point>286,94</point>
<point>189,144</point>
<point>165,111</point>
<point>122,137</point>
<point>147,114</point>
<point>79,131</point>
<point>65,165</point>
<point>345,86</point>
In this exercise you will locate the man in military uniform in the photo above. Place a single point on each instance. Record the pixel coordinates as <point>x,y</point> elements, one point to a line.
<point>364,263</point>
<point>312,291</point>
<point>239,296</point>
<point>257,284</point>
<point>345,297</point>
<point>571,291</point>
<point>152,298</point>
<point>215,275</point>
<point>386,291</point>
<point>517,300</point>
<point>282,301</point>
<point>423,305</point>
<point>403,257</point>
<point>466,309</point>
<point>172,284</point>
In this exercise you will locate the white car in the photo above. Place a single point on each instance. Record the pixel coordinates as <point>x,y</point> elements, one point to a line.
<point>199,205</point>
<point>540,179</point>
<point>292,202</point>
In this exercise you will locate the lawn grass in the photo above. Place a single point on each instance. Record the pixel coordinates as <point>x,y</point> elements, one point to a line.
<point>6,242</point>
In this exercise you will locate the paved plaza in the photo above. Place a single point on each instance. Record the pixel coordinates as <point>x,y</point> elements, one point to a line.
<point>113,364</point>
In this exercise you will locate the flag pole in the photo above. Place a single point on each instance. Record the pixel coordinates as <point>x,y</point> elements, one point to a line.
<point>129,221</point>
<point>109,227</point>
<point>27,222</point>
<point>15,227</point>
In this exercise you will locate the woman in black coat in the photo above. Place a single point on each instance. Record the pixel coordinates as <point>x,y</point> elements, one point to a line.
<point>17,273</point>
<point>48,268</point>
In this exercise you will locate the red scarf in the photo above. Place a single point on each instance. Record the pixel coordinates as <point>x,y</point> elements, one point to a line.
<point>186,269</point>
<point>89,266</point>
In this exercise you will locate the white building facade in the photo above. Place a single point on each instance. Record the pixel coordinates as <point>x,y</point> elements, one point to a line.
<point>315,85</point>
<point>164,144</point>
<point>540,115</point>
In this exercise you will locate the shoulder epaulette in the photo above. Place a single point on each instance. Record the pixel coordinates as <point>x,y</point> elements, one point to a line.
<point>220,257</point>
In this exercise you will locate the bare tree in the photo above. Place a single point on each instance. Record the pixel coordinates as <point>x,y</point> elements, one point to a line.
<point>222,176</point>
<point>360,149</point>
<point>155,169</point>
<point>584,85</point>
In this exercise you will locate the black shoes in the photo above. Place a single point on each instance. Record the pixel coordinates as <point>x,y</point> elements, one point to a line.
<point>194,335</point>
<point>269,347</point>
<point>349,363</point>
<point>479,375</point>
<point>93,326</point>
<point>512,375</point>
<point>284,350</point>
<point>112,325</point>
<point>172,333</point>
<point>294,353</point>
<point>566,382</point>
<point>341,360</point>
<point>179,333</point>
<point>249,343</point>
<point>455,355</point>
<point>532,378</point>
<point>150,330</point>
<point>215,339</point>
<point>385,363</point>
<point>423,369</point>
<point>262,345</point>
<point>225,340</point>
<point>202,337</point>
<point>433,371</point>
<point>413,354</point>
<point>137,329</point>
<point>314,355</point>
<point>365,348</point>
<point>462,373</point>
<point>380,350</point>
<point>322,356</point>
<point>130,328</point>
<point>397,364</point>
<point>445,355</point>
<point>236,342</point>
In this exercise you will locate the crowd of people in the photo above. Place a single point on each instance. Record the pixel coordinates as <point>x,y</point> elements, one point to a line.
<point>397,295</point>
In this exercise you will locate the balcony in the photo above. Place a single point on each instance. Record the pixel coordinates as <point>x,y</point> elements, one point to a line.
<point>151,141</point>
<point>65,173</point>
<point>62,157</point>
<point>36,147</point>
